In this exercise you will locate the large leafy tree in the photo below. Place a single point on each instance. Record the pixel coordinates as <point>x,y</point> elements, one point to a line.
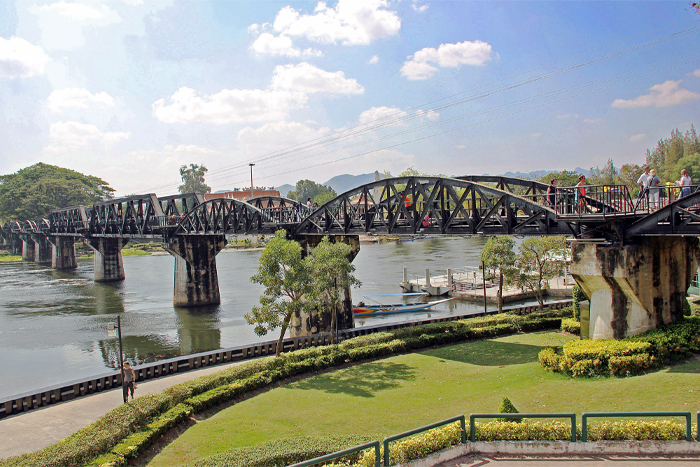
<point>306,189</point>
<point>294,284</point>
<point>670,151</point>
<point>193,179</point>
<point>564,178</point>
<point>332,272</point>
<point>498,253</point>
<point>34,191</point>
<point>606,175</point>
<point>540,259</point>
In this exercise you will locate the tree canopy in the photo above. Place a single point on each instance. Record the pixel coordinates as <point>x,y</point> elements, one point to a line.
<point>540,259</point>
<point>306,189</point>
<point>670,155</point>
<point>35,191</point>
<point>193,179</point>
<point>498,253</point>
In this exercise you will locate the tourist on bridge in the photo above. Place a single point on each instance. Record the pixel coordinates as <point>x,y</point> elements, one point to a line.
<point>684,183</point>
<point>581,194</point>
<point>643,182</point>
<point>653,184</point>
<point>308,205</point>
<point>552,194</point>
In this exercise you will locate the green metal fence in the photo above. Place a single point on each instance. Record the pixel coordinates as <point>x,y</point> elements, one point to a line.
<point>474,416</point>
<point>345,452</point>
<point>586,415</point>
<point>460,418</point>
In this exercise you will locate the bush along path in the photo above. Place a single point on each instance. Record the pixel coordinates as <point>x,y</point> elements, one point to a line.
<point>625,357</point>
<point>124,433</point>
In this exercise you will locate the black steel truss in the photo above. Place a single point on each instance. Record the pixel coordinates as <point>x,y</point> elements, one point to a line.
<point>224,216</point>
<point>681,217</point>
<point>279,210</point>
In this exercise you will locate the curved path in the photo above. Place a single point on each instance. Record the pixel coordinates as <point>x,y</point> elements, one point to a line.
<point>31,431</point>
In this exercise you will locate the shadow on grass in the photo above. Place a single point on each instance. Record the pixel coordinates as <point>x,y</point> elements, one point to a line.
<point>361,381</point>
<point>692,366</point>
<point>488,353</point>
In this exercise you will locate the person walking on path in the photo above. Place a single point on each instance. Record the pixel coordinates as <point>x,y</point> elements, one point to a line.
<point>128,385</point>
<point>684,183</point>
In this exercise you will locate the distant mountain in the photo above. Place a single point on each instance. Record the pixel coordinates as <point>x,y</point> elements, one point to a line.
<point>284,189</point>
<point>535,174</point>
<point>345,182</point>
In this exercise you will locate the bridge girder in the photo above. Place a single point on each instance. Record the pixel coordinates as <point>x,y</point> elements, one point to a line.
<point>680,218</point>
<point>222,216</point>
<point>452,207</point>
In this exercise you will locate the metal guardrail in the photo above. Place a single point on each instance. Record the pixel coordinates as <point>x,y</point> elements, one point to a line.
<point>432,426</point>
<point>474,416</point>
<point>586,415</point>
<point>345,452</point>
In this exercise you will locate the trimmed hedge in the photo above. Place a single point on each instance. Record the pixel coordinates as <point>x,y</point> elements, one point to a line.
<point>283,452</point>
<point>571,326</point>
<point>126,431</point>
<point>625,357</point>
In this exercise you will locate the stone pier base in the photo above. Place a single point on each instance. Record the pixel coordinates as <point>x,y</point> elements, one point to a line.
<point>196,279</point>
<point>63,253</point>
<point>304,324</point>
<point>16,244</point>
<point>42,249</point>
<point>109,265</point>
<point>634,288</point>
<point>27,248</point>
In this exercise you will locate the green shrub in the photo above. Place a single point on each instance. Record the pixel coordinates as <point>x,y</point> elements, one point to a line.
<point>508,407</point>
<point>525,431</point>
<point>686,308</point>
<point>577,295</point>
<point>663,430</point>
<point>571,326</point>
<point>283,452</point>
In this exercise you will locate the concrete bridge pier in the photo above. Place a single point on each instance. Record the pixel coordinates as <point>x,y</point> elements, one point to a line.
<point>63,253</point>
<point>42,248</point>
<point>16,244</point>
<point>27,247</point>
<point>315,322</point>
<point>109,265</point>
<point>196,279</point>
<point>637,287</point>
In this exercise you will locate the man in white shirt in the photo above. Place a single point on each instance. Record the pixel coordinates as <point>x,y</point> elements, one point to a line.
<point>643,182</point>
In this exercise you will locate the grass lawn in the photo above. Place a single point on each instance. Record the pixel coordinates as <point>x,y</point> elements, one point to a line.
<point>10,258</point>
<point>400,393</point>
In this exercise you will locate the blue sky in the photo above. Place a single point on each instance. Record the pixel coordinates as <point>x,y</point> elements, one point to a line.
<point>129,90</point>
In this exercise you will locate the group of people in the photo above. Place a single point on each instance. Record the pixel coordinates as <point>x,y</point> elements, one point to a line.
<point>649,184</point>
<point>579,194</point>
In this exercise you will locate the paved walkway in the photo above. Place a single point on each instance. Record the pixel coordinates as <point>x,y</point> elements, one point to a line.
<point>36,429</point>
<point>592,461</point>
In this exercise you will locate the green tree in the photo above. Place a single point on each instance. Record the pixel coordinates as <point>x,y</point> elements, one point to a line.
<point>604,176</point>
<point>35,191</point>
<point>540,259</point>
<point>690,162</point>
<point>306,189</point>
<point>287,282</point>
<point>323,198</point>
<point>564,178</point>
<point>193,179</point>
<point>628,176</point>
<point>669,151</point>
<point>498,253</point>
<point>332,272</point>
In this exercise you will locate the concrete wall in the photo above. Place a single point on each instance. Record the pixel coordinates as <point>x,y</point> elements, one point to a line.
<point>63,253</point>
<point>196,278</point>
<point>636,287</point>
<point>109,265</point>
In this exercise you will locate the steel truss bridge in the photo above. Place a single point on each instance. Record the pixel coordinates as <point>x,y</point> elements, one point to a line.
<point>469,205</point>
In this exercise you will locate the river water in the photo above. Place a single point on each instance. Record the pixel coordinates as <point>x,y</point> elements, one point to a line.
<point>53,324</point>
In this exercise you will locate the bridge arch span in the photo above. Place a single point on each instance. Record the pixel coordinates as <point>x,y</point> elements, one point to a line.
<point>434,205</point>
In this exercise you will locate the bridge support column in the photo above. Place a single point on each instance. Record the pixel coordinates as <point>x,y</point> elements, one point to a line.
<point>196,279</point>
<point>63,253</point>
<point>27,247</point>
<point>109,265</point>
<point>42,248</point>
<point>16,244</point>
<point>315,322</point>
<point>634,288</point>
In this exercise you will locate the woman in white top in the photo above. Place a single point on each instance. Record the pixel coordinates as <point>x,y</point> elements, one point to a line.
<point>684,183</point>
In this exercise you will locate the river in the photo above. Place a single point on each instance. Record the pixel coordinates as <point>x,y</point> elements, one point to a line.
<point>53,324</point>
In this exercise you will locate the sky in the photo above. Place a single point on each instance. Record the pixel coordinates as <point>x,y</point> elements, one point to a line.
<point>131,90</point>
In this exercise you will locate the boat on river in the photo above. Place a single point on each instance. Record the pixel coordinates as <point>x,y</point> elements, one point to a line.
<point>374,309</point>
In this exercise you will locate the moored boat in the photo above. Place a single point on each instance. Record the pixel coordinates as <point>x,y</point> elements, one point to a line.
<point>375,309</point>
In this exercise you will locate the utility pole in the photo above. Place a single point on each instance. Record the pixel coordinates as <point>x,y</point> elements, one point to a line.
<point>251,181</point>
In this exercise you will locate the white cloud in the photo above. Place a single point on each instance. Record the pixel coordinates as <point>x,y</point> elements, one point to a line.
<point>373,60</point>
<point>475,53</point>
<point>567,116</point>
<point>266,43</point>
<point>696,73</point>
<point>429,114</point>
<point>76,98</point>
<point>78,12</point>
<point>383,115</point>
<point>421,8</point>
<point>309,79</point>
<point>227,106</point>
<point>666,94</point>
<point>74,134</point>
<point>592,121</point>
<point>278,135</point>
<point>637,138</point>
<point>536,135</point>
<point>461,146</point>
<point>20,59</point>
